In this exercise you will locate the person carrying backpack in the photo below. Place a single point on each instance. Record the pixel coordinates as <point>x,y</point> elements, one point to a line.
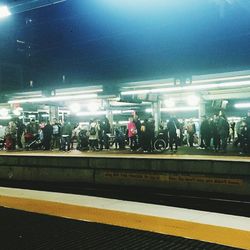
<point>56,133</point>
<point>93,134</point>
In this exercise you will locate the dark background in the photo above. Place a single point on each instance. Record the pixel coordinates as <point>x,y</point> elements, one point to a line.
<point>114,41</point>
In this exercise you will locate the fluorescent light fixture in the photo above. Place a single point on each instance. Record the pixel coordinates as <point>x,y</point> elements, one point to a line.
<point>80,92</point>
<point>53,98</point>
<point>189,88</point>
<point>242,105</point>
<point>5,117</point>
<point>4,11</point>
<point>4,112</point>
<point>97,113</point>
<point>230,78</point>
<point>175,109</point>
<point>123,122</point>
<point>169,103</point>
<point>93,106</point>
<point>234,118</point>
<point>75,107</point>
<point>193,100</point>
<point>179,109</point>
<point>136,92</point>
<point>116,112</point>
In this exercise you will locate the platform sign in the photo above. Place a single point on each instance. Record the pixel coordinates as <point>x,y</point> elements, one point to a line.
<point>171,178</point>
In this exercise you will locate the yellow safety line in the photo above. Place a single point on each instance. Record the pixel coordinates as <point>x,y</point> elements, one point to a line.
<point>187,229</point>
<point>116,155</point>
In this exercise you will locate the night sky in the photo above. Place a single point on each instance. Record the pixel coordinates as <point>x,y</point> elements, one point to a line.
<point>113,41</point>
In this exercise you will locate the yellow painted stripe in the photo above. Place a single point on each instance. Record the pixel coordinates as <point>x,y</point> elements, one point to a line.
<point>187,229</point>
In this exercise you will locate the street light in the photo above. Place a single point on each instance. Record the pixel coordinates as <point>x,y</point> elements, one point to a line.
<point>4,11</point>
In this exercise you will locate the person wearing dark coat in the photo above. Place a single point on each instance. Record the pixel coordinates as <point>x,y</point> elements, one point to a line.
<point>205,133</point>
<point>223,130</point>
<point>47,136</point>
<point>172,127</point>
<point>138,125</point>
<point>106,129</point>
<point>248,132</point>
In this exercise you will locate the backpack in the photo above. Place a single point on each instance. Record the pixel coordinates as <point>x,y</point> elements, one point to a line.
<point>190,128</point>
<point>92,131</point>
<point>55,129</point>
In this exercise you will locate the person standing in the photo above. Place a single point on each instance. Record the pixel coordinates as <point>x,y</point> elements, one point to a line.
<point>191,130</point>
<point>47,135</point>
<point>106,130</point>
<point>33,127</point>
<point>138,129</point>
<point>205,133</point>
<point>150,129</point>
<point>215,133</point>
<point>94,129</point>
<point>223,130</point>
<point>248,132</point>
<point>172,126</point>
<point>56,133</point>
<point>20,130</point>
<point>10,136</point>
<point>132,134</point>
<point>66,136</point>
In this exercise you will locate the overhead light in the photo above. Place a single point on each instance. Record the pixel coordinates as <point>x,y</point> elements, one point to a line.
<point>169,103</point>
<point>175,109</point>
<point>93,106</point>
<point>135,92</point>
<point>78,92</point>
<point>230,78</point>
<point>5,117</point>
<point>53,98</point>
<point>4,112</point>
<point>242,105</point>
<point>97,113</point>
<point>75,107</point>
<point>179,109</point>
<point>189,88</point>
<point>193,100</point>
<point>116,112</point>
<point>4,11</point>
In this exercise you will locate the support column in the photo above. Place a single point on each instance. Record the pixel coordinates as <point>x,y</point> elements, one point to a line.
<point>156,112</point>
<point>53,112</point>
<point>202,110</point>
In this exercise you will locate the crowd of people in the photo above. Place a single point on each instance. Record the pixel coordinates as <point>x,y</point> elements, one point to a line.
<point>213,133</point>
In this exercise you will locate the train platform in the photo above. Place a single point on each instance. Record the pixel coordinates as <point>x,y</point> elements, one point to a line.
<point>183,153</point>
<point>203,173</point>
<point>47,220</point>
